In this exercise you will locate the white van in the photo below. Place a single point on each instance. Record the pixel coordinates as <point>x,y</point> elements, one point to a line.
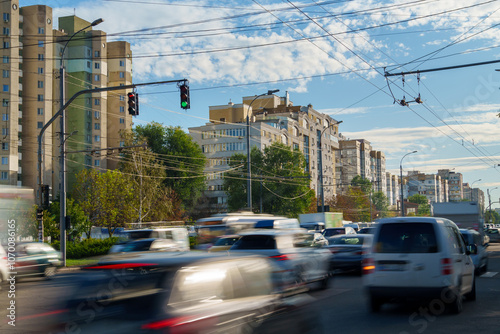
<point>419,257</point>
<point>177,237</point>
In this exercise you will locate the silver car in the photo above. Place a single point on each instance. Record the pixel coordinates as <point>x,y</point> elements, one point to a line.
<point>300,259</point>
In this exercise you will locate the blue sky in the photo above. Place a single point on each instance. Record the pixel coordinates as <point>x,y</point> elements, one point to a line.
<point>330,54</point>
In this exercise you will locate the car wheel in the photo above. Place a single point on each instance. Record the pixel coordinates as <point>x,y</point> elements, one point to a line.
<point>472,294</point>
<point>375,304</point>
<point>49,272</point>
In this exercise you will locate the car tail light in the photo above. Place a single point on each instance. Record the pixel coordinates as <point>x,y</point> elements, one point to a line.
<point>358,253</point>
<point>179,325</point>
<point>121,266</point>
<point>446,266</point>
<point>368,266</point>
<point>283,257</point>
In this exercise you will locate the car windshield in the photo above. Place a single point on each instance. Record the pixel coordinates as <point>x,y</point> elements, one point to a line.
<point>226,241</point>
<point>333,231</point>
<point>137,246</point>
<point>345,241</point>
<point>406,238</point>
<point>255,242</point>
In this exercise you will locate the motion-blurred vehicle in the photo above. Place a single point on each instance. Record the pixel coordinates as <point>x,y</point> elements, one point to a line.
<point>366,230</point>
<point>36,259</point>
<point>224,243</point>
<point>167,238</point>
<point>328,232</point>
<point>313,226</point>
<point>318,239</point>
<point>190,292</point>
<point>3,265</point>
<point>347,251</point>
<point>480,259</point>
<point>299,259</point>
<point>419,257</point>
<point>493,234</point>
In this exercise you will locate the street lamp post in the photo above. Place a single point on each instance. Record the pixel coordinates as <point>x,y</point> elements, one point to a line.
<point>62,197</point>
<point>401,180</point>
<point>249,168</point>
<point>489,200</point>
<point>320,164</point>
<point>470,190</point>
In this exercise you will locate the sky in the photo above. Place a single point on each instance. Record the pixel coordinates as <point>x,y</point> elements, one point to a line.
<point>333,55</point>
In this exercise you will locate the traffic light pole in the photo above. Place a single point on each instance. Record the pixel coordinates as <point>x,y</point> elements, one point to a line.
<point>40,138</point>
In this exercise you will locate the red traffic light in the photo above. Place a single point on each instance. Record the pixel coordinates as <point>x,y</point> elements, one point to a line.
<point>133,103</point>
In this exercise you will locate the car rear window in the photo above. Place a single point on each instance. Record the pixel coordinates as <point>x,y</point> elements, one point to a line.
<point>333,231</point>
<point>255,242</point>
<point>406,238</point>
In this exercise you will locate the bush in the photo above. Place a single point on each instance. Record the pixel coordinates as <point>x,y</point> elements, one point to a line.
<point>87,247</point>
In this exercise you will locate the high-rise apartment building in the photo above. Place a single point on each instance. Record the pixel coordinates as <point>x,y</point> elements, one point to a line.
<point>31,59</point>
<point>272,119</point>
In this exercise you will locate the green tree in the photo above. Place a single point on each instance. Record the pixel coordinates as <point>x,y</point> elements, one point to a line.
<point>424,208</point>
<point>152,199</point>
<point>381,203</point>
<point>182,158</point>
<point>105,198</point>
<point>364,184</point>
<point>79,220</point>
<point>278,181</point>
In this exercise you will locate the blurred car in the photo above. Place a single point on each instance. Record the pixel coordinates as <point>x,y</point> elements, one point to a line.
<point>224,243</point>
<point>366,230</point>
<point>418,258</point>
<point>328,232</point>
<point>151,244</point>
<point>493,234</point>
<point>36,259</point>
<point>313,226</point>
<point>480,259</point>
<point>3,265</point>
<point>189,292</point>
<point>347,251</point>
<point>299,259</point>
<point>170,239</point>
<point>318,239</point>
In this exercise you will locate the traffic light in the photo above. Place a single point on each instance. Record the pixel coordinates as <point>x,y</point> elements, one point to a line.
<point>184,96</point>
<point>133,104</point>
<point>39,214</point>
<point>45,196</point>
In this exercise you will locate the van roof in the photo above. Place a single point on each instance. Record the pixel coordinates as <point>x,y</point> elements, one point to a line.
<point>435,220</point>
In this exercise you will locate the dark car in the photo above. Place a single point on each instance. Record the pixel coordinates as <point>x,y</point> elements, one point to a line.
<point>347,251</point>
<point>367,230</point>
<point>36,259</point>
<point>328,232</point>
<point>189,292</point>
<point>480,258</point>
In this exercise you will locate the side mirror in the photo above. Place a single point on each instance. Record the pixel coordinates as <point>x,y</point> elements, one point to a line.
<point>472,249</point>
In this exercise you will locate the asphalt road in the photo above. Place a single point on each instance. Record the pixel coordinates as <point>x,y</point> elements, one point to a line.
<point>341,309</point>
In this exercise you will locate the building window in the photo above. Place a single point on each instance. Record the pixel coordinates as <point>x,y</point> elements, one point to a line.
<point>5,160</point>
<point>6,17</point>
<point>97,126</point>
<point>122,143</point>
<point>5,59</point>
<point>39,125</point>
<point>41,56</point>
<point>40,70</point>
<point>40,84</point>
<point>88,64</point>
<point>97,163</point>
<point>41,30</point>
<point>122,97</point>
<point>6,31</point>
<point>5,88</point>
<point>5,131</point>
<point>88,101</point>
<point>5,103</point>
<point>39,111</point>
<point>5,73</point>
<point>40,44</point>
<point>5,146</point>
<point>97,138</point>
<point>6,45</point>
<point>40,97</point>
<point>122,109</point>
<point>4,176</point>
<point>89,139</point>
<point>97,102</point>
<point>122,120</point>
<point>122,63</point>
<point>5,117</point>
<point>122,75</point>
<point>97,77</point>
<point>97,54</point>
<point>97,114</point>
<point>97,66</point>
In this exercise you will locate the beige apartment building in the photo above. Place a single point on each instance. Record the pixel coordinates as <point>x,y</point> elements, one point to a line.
<point>31,59</point>
<point>272,119</point>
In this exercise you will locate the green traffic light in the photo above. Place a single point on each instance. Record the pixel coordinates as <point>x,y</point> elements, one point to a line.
<point>184,104</point>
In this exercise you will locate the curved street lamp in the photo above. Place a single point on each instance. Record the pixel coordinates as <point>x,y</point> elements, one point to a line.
<point>62,200</point>
<point>470,188</point>
<point>320,164</point>
<point>401,180</point>
<point>249,175</point>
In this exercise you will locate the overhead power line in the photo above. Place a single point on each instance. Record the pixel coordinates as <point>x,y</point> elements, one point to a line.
<point>442,68</point>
